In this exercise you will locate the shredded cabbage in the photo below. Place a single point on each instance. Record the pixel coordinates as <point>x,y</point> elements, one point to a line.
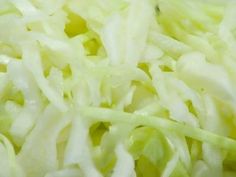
<point>117,88</point>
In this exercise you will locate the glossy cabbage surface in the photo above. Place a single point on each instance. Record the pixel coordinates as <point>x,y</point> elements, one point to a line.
<point>117,88</point>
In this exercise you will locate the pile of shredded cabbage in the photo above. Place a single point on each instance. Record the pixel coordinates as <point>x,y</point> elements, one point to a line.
<point>117,88</point>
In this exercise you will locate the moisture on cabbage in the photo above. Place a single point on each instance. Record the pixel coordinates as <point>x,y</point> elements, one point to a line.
<point>117,88</point>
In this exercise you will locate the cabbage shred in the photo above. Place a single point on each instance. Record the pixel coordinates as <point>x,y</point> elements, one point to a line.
<point>121,88</point>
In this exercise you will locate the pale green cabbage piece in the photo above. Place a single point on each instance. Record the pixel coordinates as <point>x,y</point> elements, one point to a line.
<point>117,88</point>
